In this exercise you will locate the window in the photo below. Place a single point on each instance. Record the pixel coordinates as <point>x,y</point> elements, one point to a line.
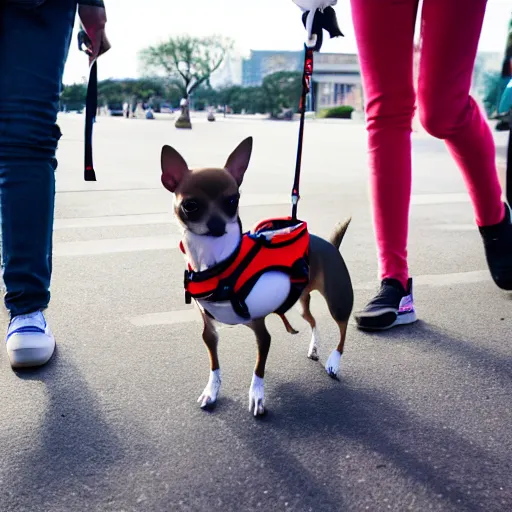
<point>341,93</point>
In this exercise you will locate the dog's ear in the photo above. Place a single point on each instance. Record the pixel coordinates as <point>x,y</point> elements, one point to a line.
<point>238,161</point>
<point>174,168</point>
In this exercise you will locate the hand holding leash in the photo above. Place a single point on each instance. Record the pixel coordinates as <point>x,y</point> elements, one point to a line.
<point>94,42</point>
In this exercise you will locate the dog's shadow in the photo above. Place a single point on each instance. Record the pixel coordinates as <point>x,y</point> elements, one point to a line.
<point>372,419</point>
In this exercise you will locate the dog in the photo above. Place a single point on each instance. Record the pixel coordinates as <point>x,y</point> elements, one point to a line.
<point>206,208</point>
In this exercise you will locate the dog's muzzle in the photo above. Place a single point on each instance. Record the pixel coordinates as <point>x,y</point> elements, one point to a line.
<point>216,227</point>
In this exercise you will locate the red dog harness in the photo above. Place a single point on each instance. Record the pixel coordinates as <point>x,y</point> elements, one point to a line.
<point>273,245</point>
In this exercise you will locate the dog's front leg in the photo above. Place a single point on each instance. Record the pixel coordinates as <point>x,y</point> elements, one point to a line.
<point>256,391</point>
<point>211,338</point>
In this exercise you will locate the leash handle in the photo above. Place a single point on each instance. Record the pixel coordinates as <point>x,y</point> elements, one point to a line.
<point>306,87</point>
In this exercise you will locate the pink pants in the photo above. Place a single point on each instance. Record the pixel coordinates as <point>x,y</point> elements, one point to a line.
<point>450,30</point>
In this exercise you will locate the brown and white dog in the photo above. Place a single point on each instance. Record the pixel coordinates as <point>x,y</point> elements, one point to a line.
<point>206,207</point>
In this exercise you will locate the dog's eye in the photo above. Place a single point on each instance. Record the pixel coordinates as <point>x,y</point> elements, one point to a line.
<point>231,205</point>
<point>190,206</point>
<point>192,210</point>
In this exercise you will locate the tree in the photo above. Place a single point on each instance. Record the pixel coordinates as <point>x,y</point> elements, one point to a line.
<point>73,96</point>
<point>205,95</point>
<point>188,62</point>
<point>251,99</point>
<point>282,90</point>
<point>111,92</point>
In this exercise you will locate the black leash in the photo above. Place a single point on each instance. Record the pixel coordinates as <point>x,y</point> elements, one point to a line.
<point>91,107</point>
<point>306,87</point>
<point>323,19</point>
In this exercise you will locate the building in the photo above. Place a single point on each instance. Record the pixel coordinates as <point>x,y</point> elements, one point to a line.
<point>336,76</point>
<point>263,63</point>
<point>230,72</point>
<point>336,81</point>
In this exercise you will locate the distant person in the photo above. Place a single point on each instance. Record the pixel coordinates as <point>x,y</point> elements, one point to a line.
<point>34,41</point>
<point>450,31</point>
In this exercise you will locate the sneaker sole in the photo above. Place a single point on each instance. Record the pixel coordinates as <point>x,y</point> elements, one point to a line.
<point>386,321</point>
<point>30,357</point>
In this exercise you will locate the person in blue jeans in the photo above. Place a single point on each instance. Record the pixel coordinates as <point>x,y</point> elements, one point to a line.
<point>35,36</point>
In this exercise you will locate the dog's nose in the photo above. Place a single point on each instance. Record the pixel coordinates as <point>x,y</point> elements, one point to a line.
<point>216,226</point>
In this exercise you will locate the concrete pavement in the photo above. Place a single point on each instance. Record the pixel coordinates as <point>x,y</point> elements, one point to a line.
<point>420,420</point>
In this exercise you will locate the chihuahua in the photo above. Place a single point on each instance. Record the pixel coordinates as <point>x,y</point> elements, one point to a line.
<point>206,208</point>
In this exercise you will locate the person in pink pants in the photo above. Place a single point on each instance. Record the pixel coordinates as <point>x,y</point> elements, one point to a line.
<point>450,31</point>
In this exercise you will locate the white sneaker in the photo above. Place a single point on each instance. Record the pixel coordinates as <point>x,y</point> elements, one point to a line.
<point>30,341</point>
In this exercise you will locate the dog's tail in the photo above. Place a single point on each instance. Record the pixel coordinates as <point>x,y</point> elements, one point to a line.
<point>339,232</point>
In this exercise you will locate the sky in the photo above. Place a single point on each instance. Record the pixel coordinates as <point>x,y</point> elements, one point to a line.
<point>253,25</point>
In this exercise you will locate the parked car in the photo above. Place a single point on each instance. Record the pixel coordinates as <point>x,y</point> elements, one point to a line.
<point>115,109</point>
<point>166,108</point>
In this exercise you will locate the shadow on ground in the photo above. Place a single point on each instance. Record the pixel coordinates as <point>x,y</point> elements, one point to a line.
<point>69,458</point>
<point>455,472</point>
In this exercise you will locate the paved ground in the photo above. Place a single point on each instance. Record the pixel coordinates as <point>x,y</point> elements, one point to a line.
<point>421,419</point>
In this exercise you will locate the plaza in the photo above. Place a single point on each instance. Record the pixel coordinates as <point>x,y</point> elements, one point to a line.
<point>419,420</point>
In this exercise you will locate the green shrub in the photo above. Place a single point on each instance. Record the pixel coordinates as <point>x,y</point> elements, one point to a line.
<point>341,112</point>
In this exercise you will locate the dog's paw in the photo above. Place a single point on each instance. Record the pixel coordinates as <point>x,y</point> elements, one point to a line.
<point>257,396</point>
<point>211,391</point>
<point>313,346</point>
<point>332,366</point>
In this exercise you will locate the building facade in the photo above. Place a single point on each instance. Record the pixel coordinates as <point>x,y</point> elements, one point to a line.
<point>230,72</point>
<point>263,63</point>
<point>336,76</point>
<point>336,81</point>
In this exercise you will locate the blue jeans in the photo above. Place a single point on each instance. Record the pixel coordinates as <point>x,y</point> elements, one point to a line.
<point>34,45</point>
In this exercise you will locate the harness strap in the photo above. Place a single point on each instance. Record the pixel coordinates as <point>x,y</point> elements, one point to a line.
<point>226,288</point>
<point>299,280</point>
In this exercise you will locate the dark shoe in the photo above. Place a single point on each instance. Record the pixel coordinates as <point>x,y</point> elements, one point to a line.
<point>502,126</point>
<point>498,250</point>
<point>392,306</point>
